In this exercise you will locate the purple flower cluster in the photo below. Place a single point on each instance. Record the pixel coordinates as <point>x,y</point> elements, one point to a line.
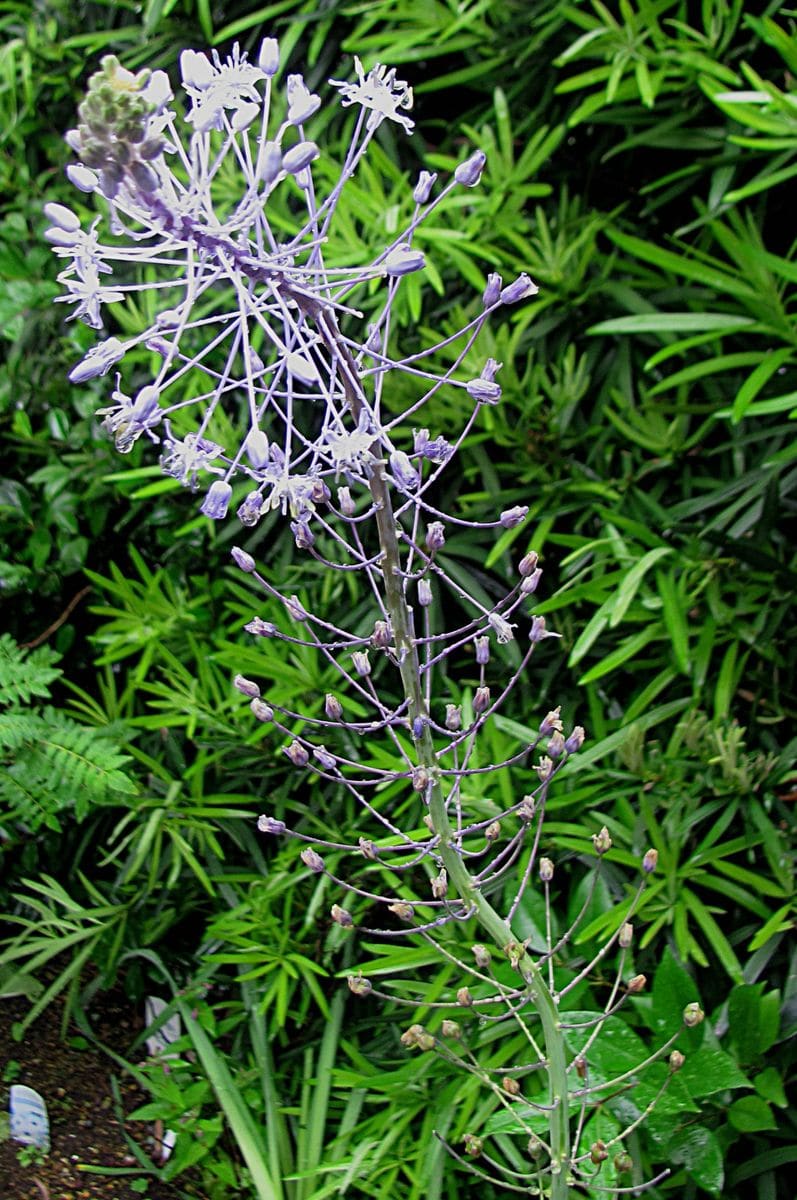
<point>267,370</point>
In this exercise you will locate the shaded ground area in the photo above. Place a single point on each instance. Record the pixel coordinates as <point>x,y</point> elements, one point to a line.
<point>84,1127</point>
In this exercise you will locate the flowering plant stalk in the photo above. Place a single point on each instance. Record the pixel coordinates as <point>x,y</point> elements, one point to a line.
<point>274,363</point>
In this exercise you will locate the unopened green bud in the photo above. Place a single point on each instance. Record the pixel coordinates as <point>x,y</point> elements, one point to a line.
<point>598,1152</point>
<point>341,917</point>
<point>677,1060</point>
<point>482,956</point>
<point>602,841</point>
<point>440,884</point>
<point>623,1163</point>
<point>693,1015</point>
<point>403,911</point>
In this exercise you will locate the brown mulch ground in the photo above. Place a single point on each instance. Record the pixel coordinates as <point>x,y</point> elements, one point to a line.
<point>75,1083</point>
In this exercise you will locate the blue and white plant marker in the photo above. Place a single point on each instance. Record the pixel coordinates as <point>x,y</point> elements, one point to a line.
<point>29,1121</point>
<point>159,1041</point>
<point>158,1044</point>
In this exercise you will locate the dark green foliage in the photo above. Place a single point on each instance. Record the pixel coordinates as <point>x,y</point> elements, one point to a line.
<point>50,764</point>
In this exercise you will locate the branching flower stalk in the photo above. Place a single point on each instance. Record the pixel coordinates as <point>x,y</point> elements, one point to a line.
<point>274,349</point>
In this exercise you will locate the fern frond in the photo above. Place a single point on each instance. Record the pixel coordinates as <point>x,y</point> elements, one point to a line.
<point>25,674</point>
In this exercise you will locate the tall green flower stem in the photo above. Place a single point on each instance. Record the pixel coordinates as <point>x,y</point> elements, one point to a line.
<point>406,649</point>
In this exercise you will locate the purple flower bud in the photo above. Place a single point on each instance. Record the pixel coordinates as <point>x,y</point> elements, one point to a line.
<point>340,916</point>
<point>483,391</point>
<point>246,687</point>
<point>361,664</point>
<point>83,178</point>
<point>649,861</point>
<point>423,188</point>
<point>481,700</point>
<point>511,517</point>
<point>528,564</point>
<point>256,448</point>
<point>403,261</point>
<point>556,745</point>
<point>196,70</point>
<point>98,361</point>
<point>297,753</point>
<point>551,721</point>
<point>302,368</point>
<point>261,710</point>
<point>303,535</point>
<point>270,824</point>
<point>521,289</point>
<point>575,740</point>
<point>418,726</point>
<point>261,628</point>
<point>482,647</point>
<point>404,473</point>
<point>299,157</point>
<point>145,404</point>
<point>302,104</point>
<point>435,536</point>
<point>144,177</point>
<point>538,631</point>
<point>217,500</point>
<point>327,760</point>
<point>493,290</point>
<point>59,237</point>
<point>345,502</point>
<point>242,559</point>
<point>469,173</point>
<point>424,593</point>
<point>319,492</point>
<point>528,586</point>
<point>296,609</point>
<point>268,58</point>
<point>63,217</point>
<point>250,509</point>
<point>333,707</point>
<point>382,635</point>
<point>269,162</point>
<point>312,859</point>
<point>244,115</point>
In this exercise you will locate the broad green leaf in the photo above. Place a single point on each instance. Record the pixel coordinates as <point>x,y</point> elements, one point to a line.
<point>709,1070</point>
<point>751,1114</point>
<point>626,650</point>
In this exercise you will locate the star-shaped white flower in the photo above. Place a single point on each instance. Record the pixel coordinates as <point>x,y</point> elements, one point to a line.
<point>381,92</point>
